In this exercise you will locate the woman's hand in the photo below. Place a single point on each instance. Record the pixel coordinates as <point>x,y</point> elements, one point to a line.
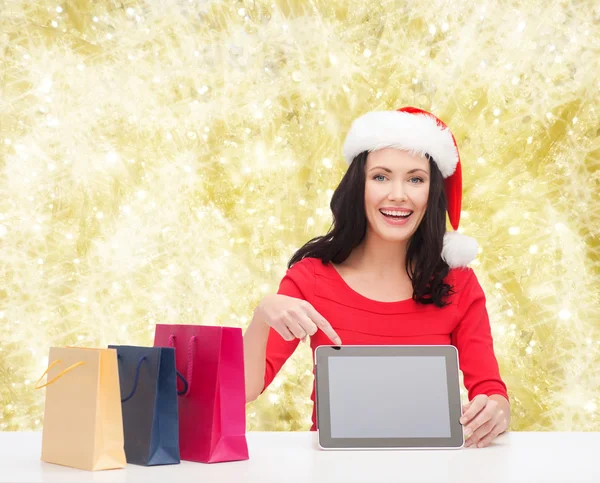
<point>293,318</point>
<point>484,418</point>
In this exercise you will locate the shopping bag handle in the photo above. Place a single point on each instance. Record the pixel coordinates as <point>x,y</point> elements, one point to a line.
<point>190,365</point>
<point>185,384</point>
<point>137,377</point>
<point>61,374</point>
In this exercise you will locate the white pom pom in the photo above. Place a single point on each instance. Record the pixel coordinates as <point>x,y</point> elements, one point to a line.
<point>459,250</point>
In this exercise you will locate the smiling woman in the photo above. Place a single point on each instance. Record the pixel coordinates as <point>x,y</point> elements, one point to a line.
<point>387,272</point>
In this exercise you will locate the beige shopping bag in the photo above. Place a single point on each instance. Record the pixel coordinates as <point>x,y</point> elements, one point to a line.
<point>83,425</point>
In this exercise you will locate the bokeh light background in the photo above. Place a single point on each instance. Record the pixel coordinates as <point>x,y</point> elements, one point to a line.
<point>160,162</point>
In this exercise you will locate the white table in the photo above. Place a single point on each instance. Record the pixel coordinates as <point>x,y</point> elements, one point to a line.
<point>295,457</point>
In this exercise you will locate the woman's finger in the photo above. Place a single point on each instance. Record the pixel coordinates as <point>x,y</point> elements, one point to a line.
<point>482,418</point>
<point>473,408</point>
<point>295,328</point>
<point>322,324</point>
<point>481,432</point>
<point>307,324</point>
<point>283,331</point>
<point>493,434</point>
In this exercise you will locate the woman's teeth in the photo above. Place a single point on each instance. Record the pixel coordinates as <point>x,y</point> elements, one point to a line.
<point>396,214</point>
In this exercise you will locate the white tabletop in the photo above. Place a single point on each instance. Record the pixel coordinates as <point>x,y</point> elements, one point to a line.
<point>295,457</point>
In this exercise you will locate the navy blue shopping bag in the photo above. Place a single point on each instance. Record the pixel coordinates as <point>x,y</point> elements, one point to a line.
<point>148,381</point>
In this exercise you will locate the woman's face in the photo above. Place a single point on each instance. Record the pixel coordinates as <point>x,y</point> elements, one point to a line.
<point>396,192</point>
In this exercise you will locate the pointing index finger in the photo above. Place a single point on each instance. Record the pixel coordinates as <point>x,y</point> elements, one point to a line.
<point>325,326</point>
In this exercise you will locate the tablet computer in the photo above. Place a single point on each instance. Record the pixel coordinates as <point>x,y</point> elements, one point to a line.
<point>388,397</point>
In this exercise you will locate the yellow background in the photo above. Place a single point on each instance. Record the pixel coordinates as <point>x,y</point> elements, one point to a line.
<point>161,161</point>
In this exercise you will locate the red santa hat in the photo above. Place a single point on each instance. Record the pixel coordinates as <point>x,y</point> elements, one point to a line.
<point>419,132</point>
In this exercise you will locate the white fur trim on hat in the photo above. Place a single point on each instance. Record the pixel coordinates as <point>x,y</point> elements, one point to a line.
<point>417,133</point>
<point>459,250</point>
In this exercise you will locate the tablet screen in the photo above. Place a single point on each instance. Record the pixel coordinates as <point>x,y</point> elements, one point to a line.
<point>389,397</point>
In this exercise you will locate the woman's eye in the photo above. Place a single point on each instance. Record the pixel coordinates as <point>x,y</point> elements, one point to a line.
<point>379,177</point>
<point>418,180</point>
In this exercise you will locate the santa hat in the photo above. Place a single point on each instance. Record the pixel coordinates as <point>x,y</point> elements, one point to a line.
<point>419,132</point>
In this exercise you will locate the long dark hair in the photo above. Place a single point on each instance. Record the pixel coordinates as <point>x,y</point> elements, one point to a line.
<point>424,264</point>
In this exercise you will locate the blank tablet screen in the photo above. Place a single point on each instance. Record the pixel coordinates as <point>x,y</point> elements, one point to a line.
<point>389,397</point>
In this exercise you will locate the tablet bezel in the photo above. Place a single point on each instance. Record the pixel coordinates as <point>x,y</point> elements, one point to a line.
<point>324,353</point>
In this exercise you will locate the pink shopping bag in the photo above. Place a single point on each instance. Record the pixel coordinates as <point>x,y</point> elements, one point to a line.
<point>212,409</point>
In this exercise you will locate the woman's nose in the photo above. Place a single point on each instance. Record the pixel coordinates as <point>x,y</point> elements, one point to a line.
<point>397,192</point>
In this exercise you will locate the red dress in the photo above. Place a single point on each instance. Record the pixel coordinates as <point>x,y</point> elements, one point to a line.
<point>360,321</point>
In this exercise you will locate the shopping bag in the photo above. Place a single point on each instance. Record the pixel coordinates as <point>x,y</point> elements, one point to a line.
<point>83,426</point>
<point>212,409</point>
<point>149,404</point>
